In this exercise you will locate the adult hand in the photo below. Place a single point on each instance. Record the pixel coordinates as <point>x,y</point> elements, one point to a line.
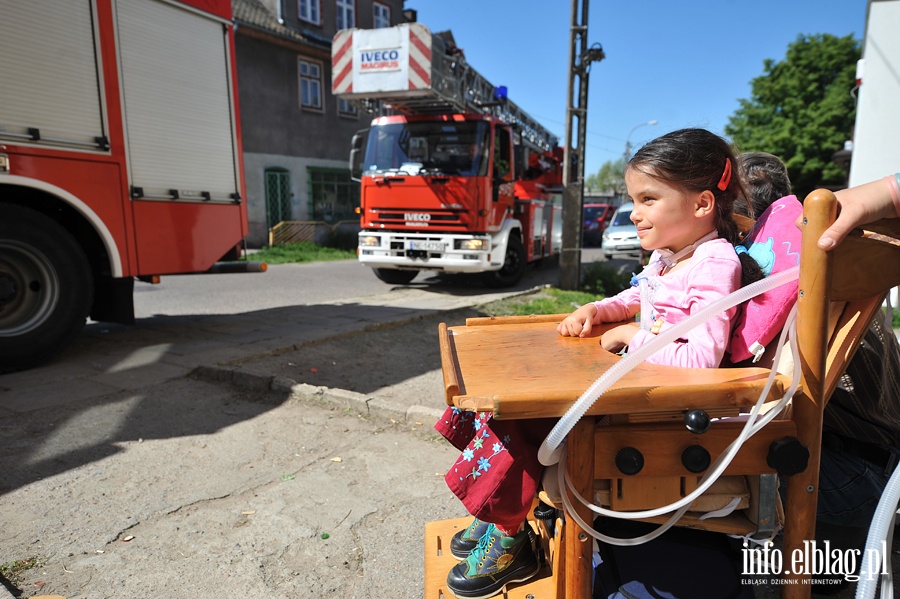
<point>858,205</point>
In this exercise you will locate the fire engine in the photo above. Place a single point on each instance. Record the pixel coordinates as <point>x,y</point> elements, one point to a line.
<point>119,159</point>
<point>459,178</point>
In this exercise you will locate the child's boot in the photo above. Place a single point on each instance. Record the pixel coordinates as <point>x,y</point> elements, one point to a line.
<point>497,560</point>
<point>463,542</point>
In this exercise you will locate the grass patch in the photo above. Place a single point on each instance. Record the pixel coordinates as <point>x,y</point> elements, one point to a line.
<point>13,571</point>
<point>305,251</point>
<point>599,281</point>
<point>548,300</point>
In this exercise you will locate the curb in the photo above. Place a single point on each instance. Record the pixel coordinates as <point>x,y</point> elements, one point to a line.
<point>341,398</point>
<point>358,403</point>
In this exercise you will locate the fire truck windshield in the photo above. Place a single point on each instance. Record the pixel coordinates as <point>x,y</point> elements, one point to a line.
<point>429,148</point>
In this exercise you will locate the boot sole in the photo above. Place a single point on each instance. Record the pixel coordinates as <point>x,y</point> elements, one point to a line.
<point>499,586</point>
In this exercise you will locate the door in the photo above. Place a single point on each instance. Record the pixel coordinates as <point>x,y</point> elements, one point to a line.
<point>278,196</point>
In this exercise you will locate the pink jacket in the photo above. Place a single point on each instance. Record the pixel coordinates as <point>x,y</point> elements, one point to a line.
<point>713,272</point>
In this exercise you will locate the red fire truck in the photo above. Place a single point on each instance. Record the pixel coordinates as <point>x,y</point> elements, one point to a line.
<point>119,159</point>
<point>460,179</point>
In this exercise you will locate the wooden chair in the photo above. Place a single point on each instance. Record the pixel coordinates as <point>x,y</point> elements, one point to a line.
<point>519,367</point>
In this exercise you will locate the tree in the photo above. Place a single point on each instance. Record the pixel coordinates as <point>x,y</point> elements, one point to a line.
<point>609,177</point>
<point>801,110</point>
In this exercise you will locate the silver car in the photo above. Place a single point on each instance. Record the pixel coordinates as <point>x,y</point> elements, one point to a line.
<point>621,236</point>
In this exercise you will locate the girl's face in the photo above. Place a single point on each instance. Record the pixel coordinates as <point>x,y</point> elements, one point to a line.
<point>667,216</point>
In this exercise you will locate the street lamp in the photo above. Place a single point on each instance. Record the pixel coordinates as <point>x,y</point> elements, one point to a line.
<point>628,138</point>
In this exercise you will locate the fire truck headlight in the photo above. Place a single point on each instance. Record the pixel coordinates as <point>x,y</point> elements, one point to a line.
<point>369,241</point>
<point>472,244</point>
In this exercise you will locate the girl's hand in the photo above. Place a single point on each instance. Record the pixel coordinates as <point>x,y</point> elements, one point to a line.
<point>615,339</point>
<point>579,322</point>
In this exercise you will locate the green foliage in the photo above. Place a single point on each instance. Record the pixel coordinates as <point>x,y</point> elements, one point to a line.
<point>801,109</point>
<point>609,177</point>
<point>301,252</point>
<point>14,571</point>
<point>601,279</point>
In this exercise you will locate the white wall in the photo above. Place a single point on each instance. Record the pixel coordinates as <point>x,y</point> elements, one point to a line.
<point>876,141</point>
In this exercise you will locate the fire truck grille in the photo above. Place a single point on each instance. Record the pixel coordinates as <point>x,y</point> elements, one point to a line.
<point>445,220</point>
<point>400,247</point>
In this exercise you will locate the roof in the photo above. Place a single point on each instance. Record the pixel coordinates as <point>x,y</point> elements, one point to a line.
<point>254,14</point>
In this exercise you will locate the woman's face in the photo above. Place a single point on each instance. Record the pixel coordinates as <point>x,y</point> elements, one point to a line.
<point>667,216</point>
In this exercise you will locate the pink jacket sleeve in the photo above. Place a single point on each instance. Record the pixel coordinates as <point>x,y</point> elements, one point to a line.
<point>708,280</point>
<point>622,306</point>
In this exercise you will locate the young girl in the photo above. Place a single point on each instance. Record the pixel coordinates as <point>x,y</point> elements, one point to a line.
<point>684,186</point>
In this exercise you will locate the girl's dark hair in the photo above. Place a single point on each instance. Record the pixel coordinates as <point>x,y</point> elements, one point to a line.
<point>694,160</point>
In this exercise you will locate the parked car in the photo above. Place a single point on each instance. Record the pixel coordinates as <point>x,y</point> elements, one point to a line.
<point>621,236</point>
<point>596,217</point>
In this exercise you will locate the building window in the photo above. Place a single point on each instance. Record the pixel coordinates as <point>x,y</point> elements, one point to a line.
<point>332,194</point>
<point>381,15</point>
<point>310,85</point>
<point>347,108</point>
<point>345,13</point>
<point>308,10</point>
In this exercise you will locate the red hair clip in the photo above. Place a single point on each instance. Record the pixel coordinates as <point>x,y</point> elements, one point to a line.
<point>726,176</point>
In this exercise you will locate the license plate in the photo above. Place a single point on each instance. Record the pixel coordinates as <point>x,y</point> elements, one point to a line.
<point>427,246</point>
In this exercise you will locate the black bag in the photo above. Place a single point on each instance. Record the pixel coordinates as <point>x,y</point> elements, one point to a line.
<point>680,564</point>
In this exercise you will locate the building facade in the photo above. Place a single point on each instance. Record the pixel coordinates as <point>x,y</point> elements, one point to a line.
<point>296,134</point>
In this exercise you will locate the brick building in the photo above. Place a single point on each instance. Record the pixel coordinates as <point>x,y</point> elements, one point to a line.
<point>296,135</point>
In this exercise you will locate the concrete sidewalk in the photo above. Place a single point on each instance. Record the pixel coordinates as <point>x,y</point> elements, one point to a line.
<point>112,358</point>
<point>179,433</point>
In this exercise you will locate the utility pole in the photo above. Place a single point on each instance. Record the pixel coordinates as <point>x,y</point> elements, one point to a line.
<point>580,59</point>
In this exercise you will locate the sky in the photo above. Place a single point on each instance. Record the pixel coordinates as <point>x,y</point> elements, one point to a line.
<point>683,63</point>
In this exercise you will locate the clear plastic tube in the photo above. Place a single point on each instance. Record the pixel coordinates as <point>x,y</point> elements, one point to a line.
<point>554,453</point>
<point>752,426</point>
<point>882,526</point>
<point>550,449</point>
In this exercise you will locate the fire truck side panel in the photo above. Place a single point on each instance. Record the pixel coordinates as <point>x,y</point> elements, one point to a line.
<point>119,152</point>
<point>91,187</point>
<point>180,228</point>
<point>178,115</point>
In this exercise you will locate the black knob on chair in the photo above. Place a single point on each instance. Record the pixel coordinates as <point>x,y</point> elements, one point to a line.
<point>695,458</point>
<point>629,460</point>
<point>696,421</point>
<point>788,456</point>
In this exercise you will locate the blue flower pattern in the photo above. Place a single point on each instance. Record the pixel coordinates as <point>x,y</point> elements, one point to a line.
<point>479,450</point>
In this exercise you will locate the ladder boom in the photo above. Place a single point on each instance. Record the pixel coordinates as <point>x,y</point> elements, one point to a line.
<point>417,72</point>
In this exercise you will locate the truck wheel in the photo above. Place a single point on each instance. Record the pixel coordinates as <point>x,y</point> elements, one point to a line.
<point>393,276</point>
<point>46,288</point>
<point>513,266</point>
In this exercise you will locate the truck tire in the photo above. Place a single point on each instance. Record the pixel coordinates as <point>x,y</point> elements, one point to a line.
<point>513,266</point>
<point>46,288</point>
<point>393,276</point>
